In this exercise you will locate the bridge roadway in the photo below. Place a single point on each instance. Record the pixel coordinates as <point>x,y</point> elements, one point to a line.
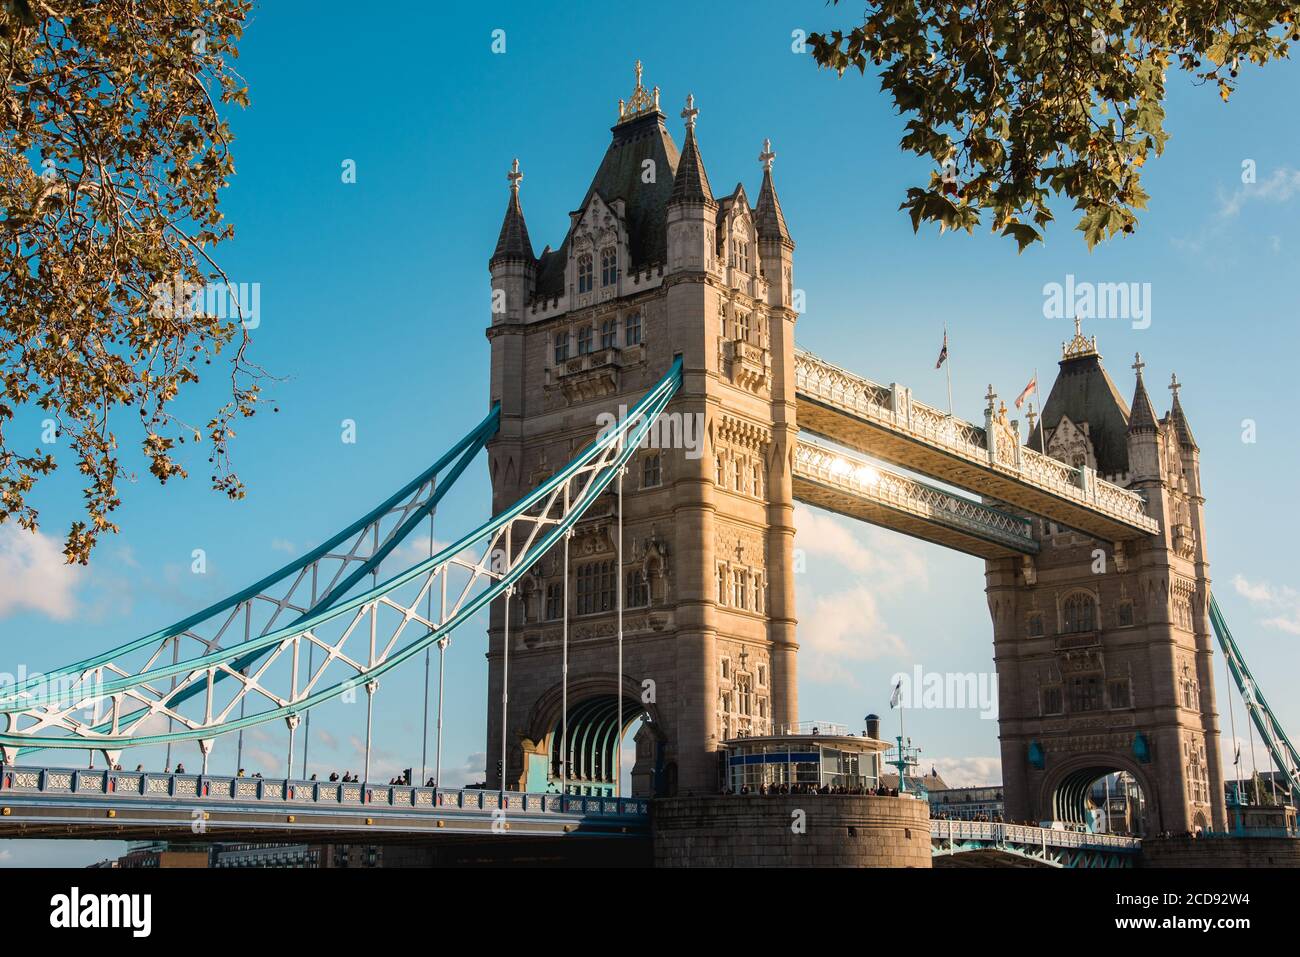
<point>134,805</point>
<point>886,423</point>
<point>985,843</point>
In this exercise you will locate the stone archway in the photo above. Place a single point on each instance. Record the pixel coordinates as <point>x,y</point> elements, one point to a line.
<point>595,731</point>
<point>1064,795</point>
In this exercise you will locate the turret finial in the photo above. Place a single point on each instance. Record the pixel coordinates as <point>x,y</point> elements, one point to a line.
<point>641,101</point>
<point>1138,364</point>
<point>767,155</point>
<point>1080,345</point>
<point>514,176</point>
<point>690,112</point>
<point>1174,384</point>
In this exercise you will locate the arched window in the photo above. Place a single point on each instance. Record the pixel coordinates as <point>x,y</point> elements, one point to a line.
<point>561,347</point>
<point>632,329</point>
<point>1080,613</point>
<point>608,266</point>
<point>584,340</point>
<point>609,333</point>
<point>584,273</point>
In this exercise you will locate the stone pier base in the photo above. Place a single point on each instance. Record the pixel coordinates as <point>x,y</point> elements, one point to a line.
<point>1187,851</point>
<point>797,830</point>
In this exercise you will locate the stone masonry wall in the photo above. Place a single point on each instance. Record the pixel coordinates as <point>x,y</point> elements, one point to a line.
<point>758,831</point>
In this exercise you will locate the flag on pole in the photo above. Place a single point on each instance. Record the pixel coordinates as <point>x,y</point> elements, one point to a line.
<point>943,353</point>
<point>897,695</point>
<point>1032,387</point>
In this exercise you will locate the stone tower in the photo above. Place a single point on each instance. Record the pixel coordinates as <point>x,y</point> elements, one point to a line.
<point>653,266</point>
<point>1103,649</point>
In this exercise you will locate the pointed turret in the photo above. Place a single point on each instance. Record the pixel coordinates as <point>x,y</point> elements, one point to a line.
<point>691,184</point>
<point>513,243</point>
<point>768,216</point>
<point>1142,417</point>
<point>1184,431</point>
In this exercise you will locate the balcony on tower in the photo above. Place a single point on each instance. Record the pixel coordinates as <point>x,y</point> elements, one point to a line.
<point>590,375</point>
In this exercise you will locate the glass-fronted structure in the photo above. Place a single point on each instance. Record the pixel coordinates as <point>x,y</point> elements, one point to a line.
<point>809,755</point>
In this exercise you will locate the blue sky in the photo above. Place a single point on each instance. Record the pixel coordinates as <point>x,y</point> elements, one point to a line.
<point>374,297</point>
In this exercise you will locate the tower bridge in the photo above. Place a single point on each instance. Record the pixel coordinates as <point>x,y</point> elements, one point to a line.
<point>628,581</point>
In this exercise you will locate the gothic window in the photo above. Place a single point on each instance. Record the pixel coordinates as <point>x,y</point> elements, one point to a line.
<point>722,475</point>
<point>742,326</point>
<point>739,586</point>
<point>584,340</point>
<point>726,667</point>
<point>1120,694</point>
<point>608,334</point>
<point>757,603</point>
<point>740,255</point>
<point>758,480</point>
<point>584,273</point>
<point>745,693</point>
<point>1034,626</point>
<point>1080,613</point>
<point>561,347</point>
<point>1125,615</point>
<point>632,329</point>
<point>608,266</point>
<point>738,475</point>
<point>651,471</point>
<point>722,585</point>
<point>1052,701</point>
<point>1085,693</point>
<point>596,585</point>
<point>638,589</point>
<point>554,601</point>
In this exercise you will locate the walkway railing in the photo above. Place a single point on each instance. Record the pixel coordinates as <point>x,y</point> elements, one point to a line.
<point>894,409</point>
<point>845,473</point>
<point>1027,834</point>
<point>209,789</point>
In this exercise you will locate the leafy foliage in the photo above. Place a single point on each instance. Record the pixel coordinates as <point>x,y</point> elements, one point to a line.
<point>112,154</point>
<point>1019,101</point>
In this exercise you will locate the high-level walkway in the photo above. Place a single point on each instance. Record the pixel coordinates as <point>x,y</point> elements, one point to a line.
<point>886,423</point>
<point>842,482</point>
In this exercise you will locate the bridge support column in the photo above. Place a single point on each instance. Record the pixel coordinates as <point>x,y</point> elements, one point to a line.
<point>205,748</point>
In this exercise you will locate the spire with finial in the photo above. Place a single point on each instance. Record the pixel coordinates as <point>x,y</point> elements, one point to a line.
<point>1179,417</point>
<point>691,184</point>
<point>642,100</point>
<point>513,241</point>
<point>1142,418</point>
<point>690,112</point>
<point>768,217</point>
<point>1080,346</point>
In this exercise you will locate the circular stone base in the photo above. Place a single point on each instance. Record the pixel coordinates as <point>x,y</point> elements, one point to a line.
<point>791,830</point>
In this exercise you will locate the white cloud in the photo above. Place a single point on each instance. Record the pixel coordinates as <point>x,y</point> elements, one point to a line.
<point>1279,187</point>
<point>1282,603</point>
<point>34,575</point>
<point>969,772</point>
<point>281,545</point>
<point>839,629</point>
<point>892,559</point>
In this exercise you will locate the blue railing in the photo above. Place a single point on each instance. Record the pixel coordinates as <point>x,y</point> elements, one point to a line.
<point>1027,834</point>
<point>148,785</point>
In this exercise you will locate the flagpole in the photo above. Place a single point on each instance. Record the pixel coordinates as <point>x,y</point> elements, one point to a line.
<point>947,365</point>
<point>1042,437</point>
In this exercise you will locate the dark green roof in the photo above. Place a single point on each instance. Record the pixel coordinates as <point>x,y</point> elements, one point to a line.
<point>1085,393</point>
<point>513,241</point>
<point>691,183</point>
<point>768,216</point>
<point>645,204</point>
